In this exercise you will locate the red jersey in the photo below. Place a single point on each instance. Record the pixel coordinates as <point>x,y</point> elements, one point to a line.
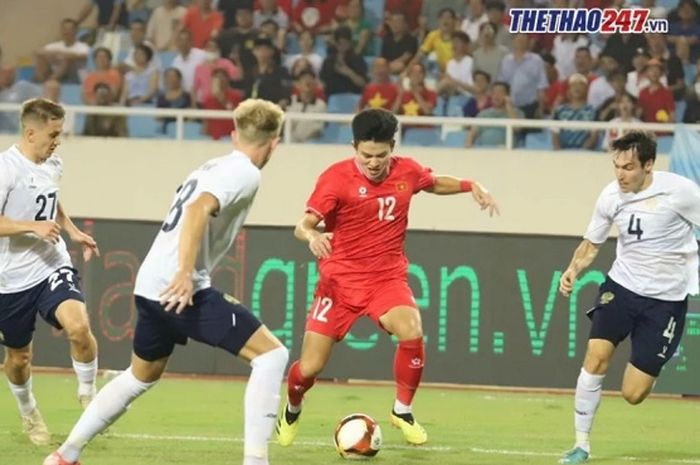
<point>368,219</point>
<point>379,95</point>
<point>656,105</point>
<point>410,106</point>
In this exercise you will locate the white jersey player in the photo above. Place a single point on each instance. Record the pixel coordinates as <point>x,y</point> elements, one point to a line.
<point>36,273</point>
<point>175,299</point>
<point>646,291</point>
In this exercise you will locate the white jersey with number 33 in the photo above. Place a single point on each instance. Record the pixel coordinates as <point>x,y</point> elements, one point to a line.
<point>233,179</point>
<point>28,192</point>
<point>657,253</point>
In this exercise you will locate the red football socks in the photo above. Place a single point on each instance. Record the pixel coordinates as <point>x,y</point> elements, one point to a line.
<point>297,385</point>
<point>408,369</point>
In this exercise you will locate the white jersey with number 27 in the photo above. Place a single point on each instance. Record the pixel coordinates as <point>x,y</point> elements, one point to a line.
<point>657,253</point>
<point>233,179</point>
<point>29,192</point>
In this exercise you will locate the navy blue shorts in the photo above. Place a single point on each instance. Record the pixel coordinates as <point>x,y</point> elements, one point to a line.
<point>18,310</point>
<point>655,326</point>
<point>215,319</point>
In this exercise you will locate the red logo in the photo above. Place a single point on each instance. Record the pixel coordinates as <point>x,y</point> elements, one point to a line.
<point>401,186</point>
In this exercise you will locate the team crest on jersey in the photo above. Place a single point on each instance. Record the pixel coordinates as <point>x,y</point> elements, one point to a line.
<point>362,191</point>
<point>606,298</point>
<point>401,186</point>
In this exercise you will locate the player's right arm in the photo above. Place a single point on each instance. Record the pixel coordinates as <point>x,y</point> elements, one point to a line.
<point>583,256</point>
<point>319,243</point>
<point>194,222</point>
<point>585,253</point>
<point>323,201</point>
<point>47,230</point>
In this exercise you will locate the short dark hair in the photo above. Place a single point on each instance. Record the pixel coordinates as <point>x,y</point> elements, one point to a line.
<point>148,51</point>
<point>641,142</point>
<point>374,124</point>
<point>177,72</point>
<point>41,109</point>
<point>461,35</point>
<point>305,72</point>
<point>496,5</point>
<point>505,85</point>
<point>137,21</point>
<point>549,58</point>
<point>342,32</point>
<point>70,21</point>
<point>447,10</point>
<point>99,50</point>
<point>583,48</point>
<point>480,72</point>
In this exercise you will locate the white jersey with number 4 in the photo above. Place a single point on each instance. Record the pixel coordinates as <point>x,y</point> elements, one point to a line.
<point>233,179</point>
<point>29,192</point>
<point>657,253</point>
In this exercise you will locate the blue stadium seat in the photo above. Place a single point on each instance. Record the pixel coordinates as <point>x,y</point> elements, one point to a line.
<point>343,103</point>
<point>345,134</point>
<point>455,105</point>
<point>689,73</point>
<point>143,126</point>
<point>455,139</point>
<point>664,144</point>
<point>680,110</point>
<point>25,73</point>
<point>330,133</point>
<point>166,59</point>
<point>541,140</point>
<point>424,137</point>
<point>293,44</point>
<point>374,12</point>
<point>70,94</point>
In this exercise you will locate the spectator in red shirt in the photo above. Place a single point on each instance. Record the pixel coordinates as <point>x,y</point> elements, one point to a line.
<point>656,100</point>
<point>203,22</point>
<point>418,100</point>
<point>381,92</point>
<point>222,97</point>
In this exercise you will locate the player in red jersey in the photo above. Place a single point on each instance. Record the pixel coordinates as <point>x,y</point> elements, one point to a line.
<point>364,203</point>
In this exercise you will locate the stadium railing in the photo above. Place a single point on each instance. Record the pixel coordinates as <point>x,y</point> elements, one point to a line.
<point>447,124</point>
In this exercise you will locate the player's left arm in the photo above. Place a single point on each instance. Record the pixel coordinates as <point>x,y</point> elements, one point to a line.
<point>179,292</point>
<point>686,202</point>
<point>449,185</point>
<point>86,241</point>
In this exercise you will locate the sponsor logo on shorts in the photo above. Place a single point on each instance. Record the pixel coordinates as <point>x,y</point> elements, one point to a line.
<point>416,362</point>
<point>606,298</point>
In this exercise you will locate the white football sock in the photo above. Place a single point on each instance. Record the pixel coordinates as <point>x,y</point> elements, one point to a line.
<point>86,374</point>
<point>109,404</point>
<point>262,398</point>
<point>589,390</point>
<point>24,395</point>
<point>401,408</point>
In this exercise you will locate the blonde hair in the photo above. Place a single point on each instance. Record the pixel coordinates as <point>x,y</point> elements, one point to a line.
<point>258,121</point>
<point>41,109</point>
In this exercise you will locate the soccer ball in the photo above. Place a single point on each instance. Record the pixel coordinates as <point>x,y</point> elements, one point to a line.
<point>358,436</point>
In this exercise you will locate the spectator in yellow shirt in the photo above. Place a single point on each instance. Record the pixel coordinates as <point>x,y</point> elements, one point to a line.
<point>439,40</point>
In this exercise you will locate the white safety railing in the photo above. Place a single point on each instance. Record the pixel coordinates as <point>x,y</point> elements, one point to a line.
<point>510,125</point>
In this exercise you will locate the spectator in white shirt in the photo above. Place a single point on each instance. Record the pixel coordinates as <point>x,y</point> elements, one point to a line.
<point>477,16</point>
<point>600,89</point>
<point>306,43</point>
<point>188,59</point>
<point>458,76</point>
<point>63,59</point>
<point>137,35</point>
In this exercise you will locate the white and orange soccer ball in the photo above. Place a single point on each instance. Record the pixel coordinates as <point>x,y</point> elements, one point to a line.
<point>358,436</point>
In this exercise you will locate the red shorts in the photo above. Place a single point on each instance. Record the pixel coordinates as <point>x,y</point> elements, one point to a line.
<point>336,307</point>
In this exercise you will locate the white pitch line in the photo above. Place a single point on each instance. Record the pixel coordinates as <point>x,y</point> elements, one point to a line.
<point>311,443</point>
<point>322,443</point>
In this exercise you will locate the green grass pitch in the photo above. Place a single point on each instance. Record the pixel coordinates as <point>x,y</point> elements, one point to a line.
<point>190,421</point>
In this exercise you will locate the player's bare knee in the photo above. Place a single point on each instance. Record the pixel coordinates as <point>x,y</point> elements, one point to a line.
<point>596,363</point>
<point>634,396</point>
<point>18,359</point>
<point>78,332</point>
